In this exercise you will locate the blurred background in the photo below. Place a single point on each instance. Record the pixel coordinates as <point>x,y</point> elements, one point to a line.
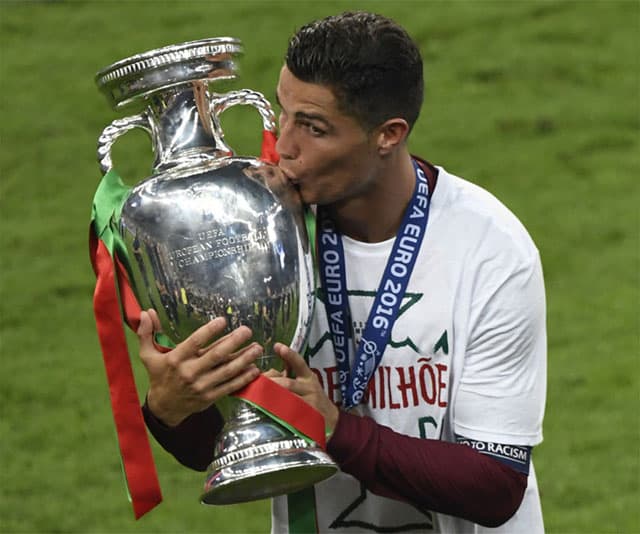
<point>537,101</point>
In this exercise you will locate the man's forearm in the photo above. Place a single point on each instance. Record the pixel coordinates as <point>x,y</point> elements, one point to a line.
<point>191,442</point>
<point>430,474</point>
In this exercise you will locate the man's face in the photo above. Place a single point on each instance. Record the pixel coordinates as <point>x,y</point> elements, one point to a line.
<point>326,153</point>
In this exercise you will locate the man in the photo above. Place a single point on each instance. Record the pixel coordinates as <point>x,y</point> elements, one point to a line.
<point>433,426</point>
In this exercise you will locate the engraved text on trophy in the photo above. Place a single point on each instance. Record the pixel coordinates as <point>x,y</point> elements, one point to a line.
<point>215,244</point>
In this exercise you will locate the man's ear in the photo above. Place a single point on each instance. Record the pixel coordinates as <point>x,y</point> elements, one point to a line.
<point>390,134</point>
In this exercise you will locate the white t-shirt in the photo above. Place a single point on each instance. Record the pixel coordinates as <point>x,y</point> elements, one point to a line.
<point>467,355</point>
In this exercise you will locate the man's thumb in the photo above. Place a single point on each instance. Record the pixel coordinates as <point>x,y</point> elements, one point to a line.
<point>145,332</point>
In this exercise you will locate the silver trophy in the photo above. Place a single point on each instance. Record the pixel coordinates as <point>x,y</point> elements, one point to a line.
<point>210,234</point>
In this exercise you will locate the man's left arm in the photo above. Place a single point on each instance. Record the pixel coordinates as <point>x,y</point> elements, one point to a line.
<point>500,401</point>
<point>444,477</point>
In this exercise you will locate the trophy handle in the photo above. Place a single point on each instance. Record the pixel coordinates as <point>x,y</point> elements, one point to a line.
<point>117,128</point>
<point>220,103</point>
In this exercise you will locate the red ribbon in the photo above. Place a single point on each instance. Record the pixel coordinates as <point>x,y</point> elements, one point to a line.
<point>135,449</point>
<point>130,305</point>
<point>268,150</point>
<point>286,406</point>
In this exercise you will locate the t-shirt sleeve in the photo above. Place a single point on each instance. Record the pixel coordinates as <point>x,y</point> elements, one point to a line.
<point>502,389</point>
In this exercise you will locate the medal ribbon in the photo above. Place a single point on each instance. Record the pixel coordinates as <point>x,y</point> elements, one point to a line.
<point>386,304</point>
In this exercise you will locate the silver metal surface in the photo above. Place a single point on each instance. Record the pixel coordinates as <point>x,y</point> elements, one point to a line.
<point>157,70</point>
<point>184,125</point>
<point>256,458</point>
<point>228,241</point>
<point>211,234</point>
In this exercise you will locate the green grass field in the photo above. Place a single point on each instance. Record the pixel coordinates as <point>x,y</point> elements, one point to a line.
<point>536,101</point>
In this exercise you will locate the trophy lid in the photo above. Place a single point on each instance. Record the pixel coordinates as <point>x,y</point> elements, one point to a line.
<point>143,74</point>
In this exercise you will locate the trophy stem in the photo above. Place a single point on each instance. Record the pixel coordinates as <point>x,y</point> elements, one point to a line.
<point>257,458</point>
<point>185,130</point>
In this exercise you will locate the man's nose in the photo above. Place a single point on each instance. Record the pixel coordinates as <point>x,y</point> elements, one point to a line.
<point>286,145</point>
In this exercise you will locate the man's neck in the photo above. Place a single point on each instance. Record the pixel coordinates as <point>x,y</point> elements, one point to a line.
<point>376,214</point>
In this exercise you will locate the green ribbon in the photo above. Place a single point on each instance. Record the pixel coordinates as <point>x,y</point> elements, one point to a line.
<point>105,214</point>
<point>106,209</point>
<point>302,511</point>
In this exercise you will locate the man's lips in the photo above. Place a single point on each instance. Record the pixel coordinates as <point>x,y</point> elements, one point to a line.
<point>290,177</point>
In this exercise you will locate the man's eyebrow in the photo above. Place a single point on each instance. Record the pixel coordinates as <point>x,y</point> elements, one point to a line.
<point>301,115</point>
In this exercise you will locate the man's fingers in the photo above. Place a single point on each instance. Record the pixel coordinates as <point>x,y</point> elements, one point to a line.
<point>239,335</point>
<point>225,348</point>
<point>273,373</point>
<point>237,382</point>
<point>229,375</point>
<point>225,365</point>
<point>293,360</point>
<point>191,346</point>
<point>215,367</point>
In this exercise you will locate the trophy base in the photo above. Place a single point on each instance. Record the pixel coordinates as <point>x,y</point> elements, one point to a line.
<point>266,470</point>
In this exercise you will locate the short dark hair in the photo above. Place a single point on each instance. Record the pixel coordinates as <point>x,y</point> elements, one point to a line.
<point>369,61</point>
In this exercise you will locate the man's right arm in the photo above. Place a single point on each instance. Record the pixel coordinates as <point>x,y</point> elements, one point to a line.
<point>185,382</point>
<point>191,442</point>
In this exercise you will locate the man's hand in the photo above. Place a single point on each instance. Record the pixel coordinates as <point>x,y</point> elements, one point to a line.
<point>195,374</point>
<point>305,384</point>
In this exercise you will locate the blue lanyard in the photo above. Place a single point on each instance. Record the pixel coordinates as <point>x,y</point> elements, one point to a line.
<point>386,305</point>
